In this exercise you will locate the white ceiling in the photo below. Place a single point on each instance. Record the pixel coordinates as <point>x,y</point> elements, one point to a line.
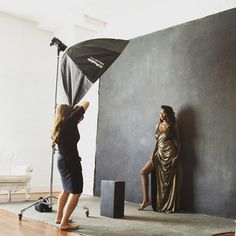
<point>121,18</point>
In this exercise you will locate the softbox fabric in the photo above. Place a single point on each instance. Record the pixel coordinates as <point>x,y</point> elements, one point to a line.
<point>85,62</point>
<point>75,83</point>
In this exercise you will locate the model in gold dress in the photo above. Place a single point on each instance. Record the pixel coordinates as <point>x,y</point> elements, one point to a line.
<point>164,165</point>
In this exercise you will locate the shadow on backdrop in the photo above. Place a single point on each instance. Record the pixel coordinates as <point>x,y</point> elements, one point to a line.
<point>186,119</point>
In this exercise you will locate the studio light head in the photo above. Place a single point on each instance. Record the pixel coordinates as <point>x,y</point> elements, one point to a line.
<point>61,46</point>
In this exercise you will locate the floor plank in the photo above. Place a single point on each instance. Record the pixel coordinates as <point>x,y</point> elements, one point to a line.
<point>11,226</point>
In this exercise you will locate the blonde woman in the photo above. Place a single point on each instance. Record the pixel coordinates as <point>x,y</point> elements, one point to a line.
<point>65,135</point>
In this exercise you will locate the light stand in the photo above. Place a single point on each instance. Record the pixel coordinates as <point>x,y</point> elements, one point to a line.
<point>48,199</point>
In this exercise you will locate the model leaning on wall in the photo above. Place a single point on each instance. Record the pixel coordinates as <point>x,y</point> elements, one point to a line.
<point>164,162</point>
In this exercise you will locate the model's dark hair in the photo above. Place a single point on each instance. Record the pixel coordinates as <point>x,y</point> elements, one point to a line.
<point>170,114</point>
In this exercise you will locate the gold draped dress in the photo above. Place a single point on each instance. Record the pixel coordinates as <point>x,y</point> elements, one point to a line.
<point>165,192</point>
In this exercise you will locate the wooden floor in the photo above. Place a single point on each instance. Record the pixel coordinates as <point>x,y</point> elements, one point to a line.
<point>11,226</point>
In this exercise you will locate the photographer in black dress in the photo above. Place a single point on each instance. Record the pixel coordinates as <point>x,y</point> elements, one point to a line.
<point>65,135</point>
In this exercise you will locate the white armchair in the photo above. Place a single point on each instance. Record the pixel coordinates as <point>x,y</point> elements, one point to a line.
<point>14,178</point>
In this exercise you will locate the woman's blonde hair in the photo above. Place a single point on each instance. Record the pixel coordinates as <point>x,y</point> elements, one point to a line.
<point>62,112</point>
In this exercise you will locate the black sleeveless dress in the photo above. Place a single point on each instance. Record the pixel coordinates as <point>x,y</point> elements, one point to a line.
<point>68,161</point>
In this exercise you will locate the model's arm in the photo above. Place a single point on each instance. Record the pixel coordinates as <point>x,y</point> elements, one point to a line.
<point>178,142</point>
<point>153,155</point>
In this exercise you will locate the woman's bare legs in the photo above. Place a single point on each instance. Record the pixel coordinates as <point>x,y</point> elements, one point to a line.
<point>145,171</point>
<point>72,203</point>
<point>62,199</point>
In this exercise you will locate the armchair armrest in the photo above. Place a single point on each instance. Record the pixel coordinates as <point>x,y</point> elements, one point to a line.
<point>21,170</point>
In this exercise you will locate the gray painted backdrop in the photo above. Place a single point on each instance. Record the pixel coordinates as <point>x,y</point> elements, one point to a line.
<point>191,67</point>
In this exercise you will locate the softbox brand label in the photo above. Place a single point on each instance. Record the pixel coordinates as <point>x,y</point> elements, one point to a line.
<point>96,62</point>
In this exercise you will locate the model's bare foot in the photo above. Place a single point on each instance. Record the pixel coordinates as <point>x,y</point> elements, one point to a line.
<point>59,221</point>
<point>69,227</point>
<point>144,205</point>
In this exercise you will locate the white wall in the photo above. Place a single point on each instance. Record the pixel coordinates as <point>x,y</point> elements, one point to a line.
<point>27,68</point>
<point>27,76</point>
